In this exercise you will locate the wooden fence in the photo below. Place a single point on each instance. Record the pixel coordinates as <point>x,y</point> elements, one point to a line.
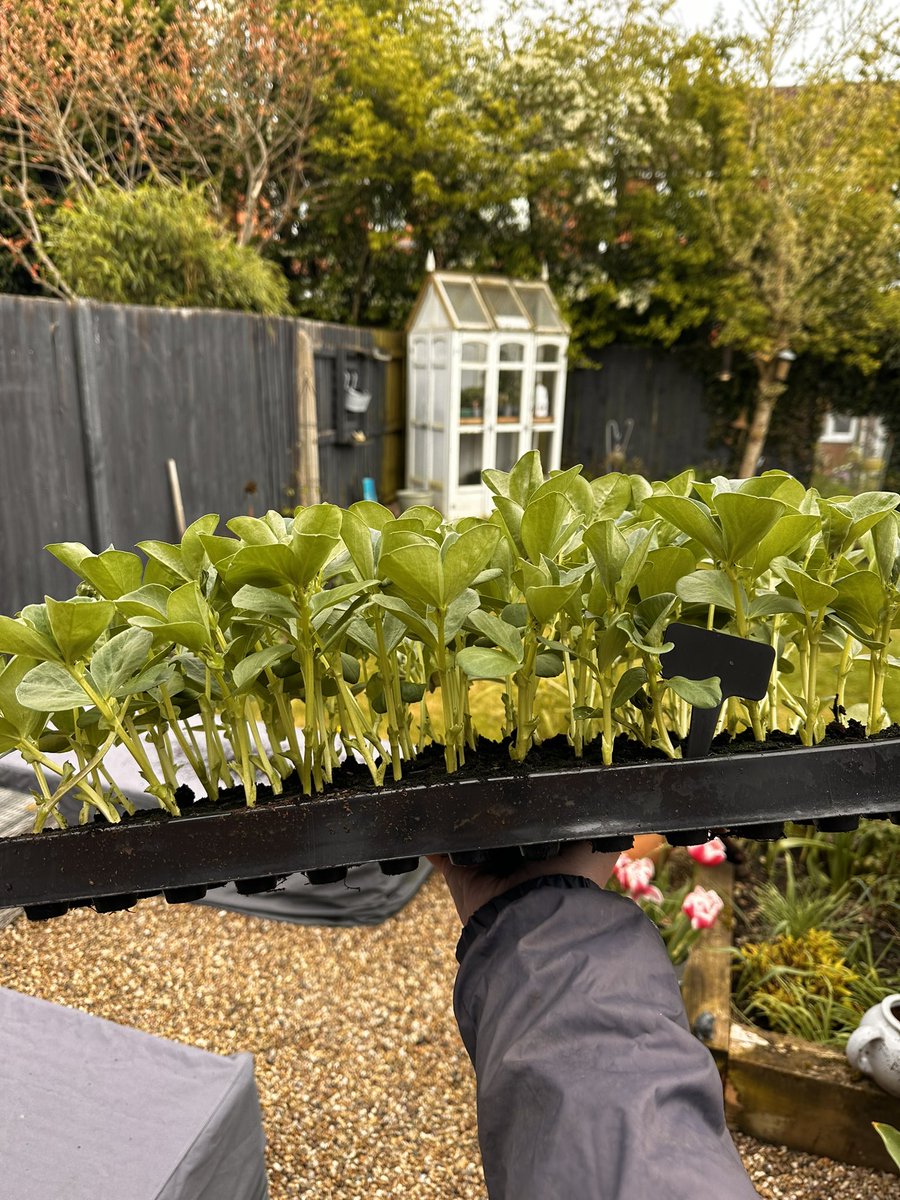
<point>95,399</point>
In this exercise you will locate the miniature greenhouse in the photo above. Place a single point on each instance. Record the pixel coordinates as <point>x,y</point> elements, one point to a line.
<point>487,377</point>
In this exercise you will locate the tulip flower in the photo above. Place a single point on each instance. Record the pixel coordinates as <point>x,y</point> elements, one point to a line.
<point>710,854</point>
<point>634,876</point>
<point>703,906</point>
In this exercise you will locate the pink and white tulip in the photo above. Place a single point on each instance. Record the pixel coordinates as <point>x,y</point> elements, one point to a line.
<point>710,854</point>
<point>634,876</point>
<point>703,906</point>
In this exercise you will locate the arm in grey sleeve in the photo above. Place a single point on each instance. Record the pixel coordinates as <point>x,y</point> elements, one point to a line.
<point>590,1084</point>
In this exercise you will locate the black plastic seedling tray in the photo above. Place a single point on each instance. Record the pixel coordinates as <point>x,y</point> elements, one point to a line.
<point>751,792</point>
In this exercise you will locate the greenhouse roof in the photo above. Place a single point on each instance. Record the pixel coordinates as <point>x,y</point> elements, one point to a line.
<point>492,302</point>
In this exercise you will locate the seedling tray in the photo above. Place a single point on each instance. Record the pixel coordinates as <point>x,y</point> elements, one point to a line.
<point>748,792</point>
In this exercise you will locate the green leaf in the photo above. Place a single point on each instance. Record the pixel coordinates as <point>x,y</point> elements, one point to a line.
<point>867,509</point>
<point>421,628</point>
<point>546,601</point>
<point>18,638</point>
<point>639,542</point>
<point>49,688</point>
<point>610,644</point>
<point>466,558</point>
<point>77,624</point>
<point>480,662</point>
<point>496,481</point>
<point>416,571</point>
<point>515,615</point>
<point>812,594</point>
<point>119,659</point>
<point>458,612</point>
<point>333,597</point>
<point>316,533</point>
<point>745,521</point>
<point>357,537</point>
<point>187,604</point>
<point>791,532</point>
<point>584,712</point>
<point>511,514</point>
<point>70,554</point>
<point>430,517</point>
<point>631,682</point>
<point>25,722</point>
<point>545,526</point>
<point>525,478</point>
<point>168,556</point>
<point>891,1138</point>
<point>151,600</point>
<point>185,633</point>
<point>264,601</point>
<point>609,550</point>
<point>249,669</point>
<point>159,675</point>
<point>350,668</point>
<point>501,632</point>
<point>707,587</point>
<point>663,569</point>
<point>262,566</point>
<point>193,551</point>
<point>769,604</point>
<point>219,549</point>
<point>411,693</point>
<point>253,531</point>
<point>113,573</point>
<point>547,664</point>
<point>651,615</point>
<point>640,490</point>
<point>692,518</point>
<point>884,539</point>
<point>861,597</point>
<point>701,693</point>
<point>371,513</point>
<point>612,495</point>
<point>363,634</point>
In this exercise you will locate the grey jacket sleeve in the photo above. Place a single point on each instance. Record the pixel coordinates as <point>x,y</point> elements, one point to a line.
<point>590,1084</point>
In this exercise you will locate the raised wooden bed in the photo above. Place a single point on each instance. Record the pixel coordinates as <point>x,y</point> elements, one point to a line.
<point>780,1089</point>
<point>687,799</point>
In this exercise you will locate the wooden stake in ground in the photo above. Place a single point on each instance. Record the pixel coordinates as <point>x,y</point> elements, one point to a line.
<point>307,450</point>
<point>175,491</point>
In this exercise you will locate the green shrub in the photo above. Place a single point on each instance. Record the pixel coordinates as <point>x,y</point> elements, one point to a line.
<point>159,245</point>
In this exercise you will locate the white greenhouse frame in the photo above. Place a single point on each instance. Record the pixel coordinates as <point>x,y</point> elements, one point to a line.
<point>486,382</point>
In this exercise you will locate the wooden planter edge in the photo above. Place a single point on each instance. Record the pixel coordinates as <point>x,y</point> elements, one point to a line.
<point>780,1089</point>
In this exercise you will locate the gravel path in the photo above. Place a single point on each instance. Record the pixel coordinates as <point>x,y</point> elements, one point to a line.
<point>366,1089</point>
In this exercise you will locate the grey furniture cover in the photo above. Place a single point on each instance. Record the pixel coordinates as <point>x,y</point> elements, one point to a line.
<point>366,897</point>
<point>91,1110</point>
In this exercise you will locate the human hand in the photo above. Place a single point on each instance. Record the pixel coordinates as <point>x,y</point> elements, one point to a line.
<point>471,887</point>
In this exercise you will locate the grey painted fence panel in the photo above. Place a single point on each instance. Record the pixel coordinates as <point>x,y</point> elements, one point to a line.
<point>95,398</point>
<point>650,388</point>
<point>43,495</point>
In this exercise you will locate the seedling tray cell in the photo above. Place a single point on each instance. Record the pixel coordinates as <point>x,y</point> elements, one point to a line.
<point>458,815</point>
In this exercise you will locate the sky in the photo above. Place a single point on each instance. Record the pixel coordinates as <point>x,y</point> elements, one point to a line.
<point>729,14</point>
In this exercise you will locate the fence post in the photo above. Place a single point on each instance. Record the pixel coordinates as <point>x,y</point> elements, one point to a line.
<point>99,510</point>
<point>307,455</point>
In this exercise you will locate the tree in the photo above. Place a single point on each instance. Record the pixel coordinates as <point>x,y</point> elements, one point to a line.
<point>803,211</point>
<point>404,159</point>
<point>96,94</point>
<point>158,245</point>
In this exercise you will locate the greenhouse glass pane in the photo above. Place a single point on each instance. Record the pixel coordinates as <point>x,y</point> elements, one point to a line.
<point>540,307</point>
<point>465,303</point>
<point>502,302</point>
